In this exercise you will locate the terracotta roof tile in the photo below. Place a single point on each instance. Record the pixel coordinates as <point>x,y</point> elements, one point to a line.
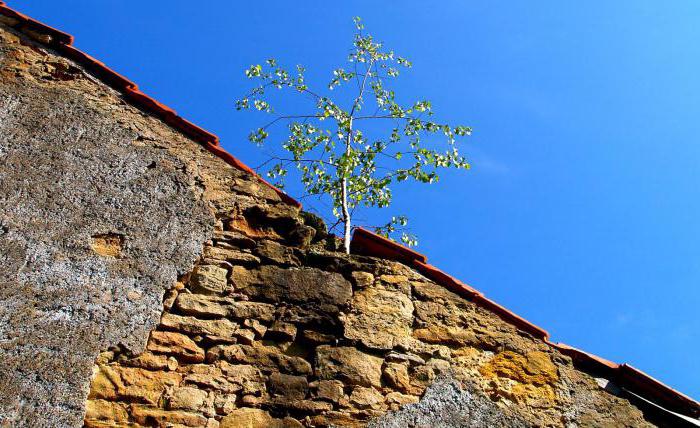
<point>368,243</point>
<point>364,242</point>
<point>63,43</point>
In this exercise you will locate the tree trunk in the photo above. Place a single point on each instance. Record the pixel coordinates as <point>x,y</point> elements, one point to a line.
<point>346,216</point>
<point>344,195</point>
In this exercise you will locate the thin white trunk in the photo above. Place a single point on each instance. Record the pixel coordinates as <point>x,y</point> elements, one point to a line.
<point>347,224</point>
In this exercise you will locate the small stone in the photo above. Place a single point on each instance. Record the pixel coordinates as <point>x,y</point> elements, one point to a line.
<point>256,326</point>
<point>282,331</point>
<point>263,356</point>
<point>349,365</point>
<point>317,338</point>
<point>209,279</point>
<point>396,376</point>
<point>379,318</point>
<point>399,357</point>
<point>202,305</point>
<point>331,390</point>
<point>230,255</point>
<point>305,285</point>
<point>396,400</point>
<point>145,415</point>
<point>247,418</point>
<point>150,361</point>
<point>288,386</point>
<point>362,279</point>
<point>366,398</point>
<point>225,403</point>
<point>276,253</point>
<point>186,398</point>
<point>105,410</point>
<point>191,325</point>
<point>234,238</point>
<point>176,344</point>
<point>132,384</point>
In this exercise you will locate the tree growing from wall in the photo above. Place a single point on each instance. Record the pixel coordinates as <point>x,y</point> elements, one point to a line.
<point>352,147</point>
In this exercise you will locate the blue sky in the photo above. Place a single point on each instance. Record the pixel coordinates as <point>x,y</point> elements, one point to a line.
<point>581,210</point>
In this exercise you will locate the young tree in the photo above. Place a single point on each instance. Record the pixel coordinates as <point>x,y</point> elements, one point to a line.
<point>338,153</point>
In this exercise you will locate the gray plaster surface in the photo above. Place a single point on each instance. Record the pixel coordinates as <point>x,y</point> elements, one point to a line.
<point>69,172</point>
<point>449,404</point>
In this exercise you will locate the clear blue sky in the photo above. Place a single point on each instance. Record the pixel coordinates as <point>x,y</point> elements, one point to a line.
<point>581,212</point>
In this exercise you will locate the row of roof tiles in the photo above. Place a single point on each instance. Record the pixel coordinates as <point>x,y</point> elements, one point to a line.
<point>364,241</point>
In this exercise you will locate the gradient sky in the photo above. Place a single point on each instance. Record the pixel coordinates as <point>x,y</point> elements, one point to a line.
<point>581,210</point>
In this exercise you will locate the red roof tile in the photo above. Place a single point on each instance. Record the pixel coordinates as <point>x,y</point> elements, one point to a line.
<point>364,242</point>
<point>63,43</point>
<point>624,375</point>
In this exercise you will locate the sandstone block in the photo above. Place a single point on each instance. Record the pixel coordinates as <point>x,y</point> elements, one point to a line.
<point>305,285</point>
<point>362,279</point>
<point>267,357</point>
<point>176,344</point>
<point>366,398</point>
<point>282,331</point>
<point>209,279</point>
<point>288,386</point>
<point>379,318</point>
<point>105,410</point>
<point>191,325</point>
<point>331,390</point>
<point>348,365</point>
<point>145,415</point>
<point>203,305</point>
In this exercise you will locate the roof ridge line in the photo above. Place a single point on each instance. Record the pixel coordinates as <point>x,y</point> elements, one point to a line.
<point>63,43</point>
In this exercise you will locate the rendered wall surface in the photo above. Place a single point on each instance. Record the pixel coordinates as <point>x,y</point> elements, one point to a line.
<point>144,282</point>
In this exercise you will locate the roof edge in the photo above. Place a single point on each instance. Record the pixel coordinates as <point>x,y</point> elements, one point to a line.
<point>367,243</point>
<point>63,43</point>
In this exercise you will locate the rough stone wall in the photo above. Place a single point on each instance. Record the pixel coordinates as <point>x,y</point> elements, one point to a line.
<point>105,210</point>
<point>264,334</point>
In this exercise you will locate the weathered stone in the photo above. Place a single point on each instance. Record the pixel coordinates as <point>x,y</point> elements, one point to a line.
<point>191,325</point>
<point>276,253</point>
<point>267,357</point>
<point>307,285</point>
<point>256,326</point>
<point>242,226</point>
<point>379,318</point>
<point>399,357</point>
<point>131,384</point>
<point>202,305</point>
<point>396,376</point>
<point>225,403</point>
<point>282,331</point>
<point>145,415</point>
<point>230,256</point>
<point>318,338</point>
<point>150,361</point>
<point>362,279</point>
<point>234,238</point>
<point>105,410</point>
<point>288,386</point>
<point>396,399</point>
<point>176,344</point>
<point>348,365</point>
<point>366,398</point>
<point>331,390</point>
<point>209,279</point>
<point>247,418</point>
<point>188,398</point>
<point>317,223</point>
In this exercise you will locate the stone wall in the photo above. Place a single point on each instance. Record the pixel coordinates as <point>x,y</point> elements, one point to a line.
<point>142,272</point>
<point>263,333</point>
